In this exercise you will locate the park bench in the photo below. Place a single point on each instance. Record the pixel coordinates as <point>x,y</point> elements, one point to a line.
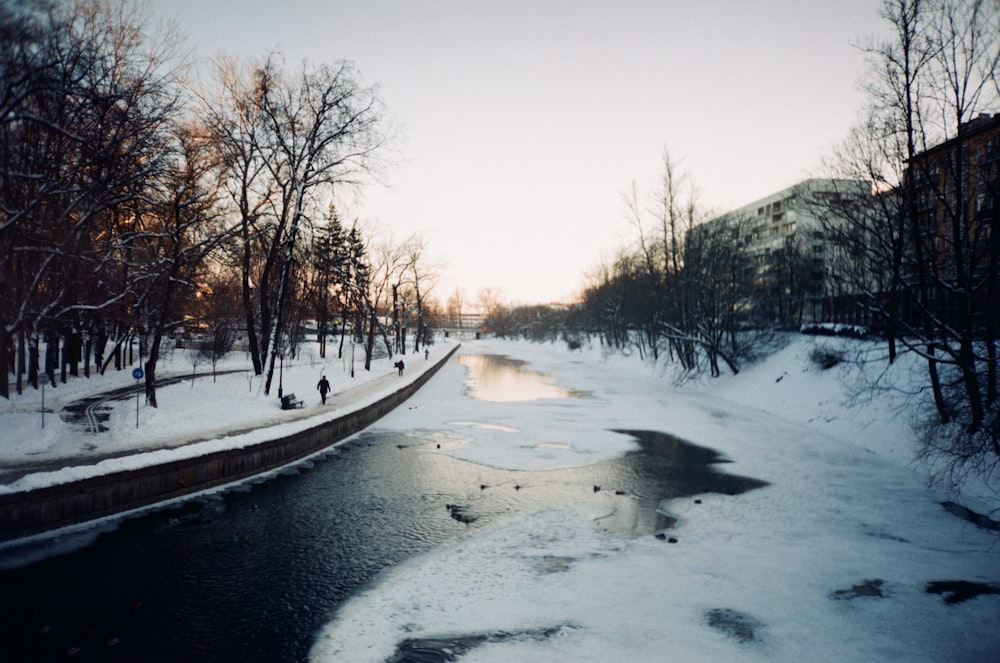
<point>289,402</point>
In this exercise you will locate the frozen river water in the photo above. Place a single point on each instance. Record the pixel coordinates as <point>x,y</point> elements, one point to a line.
<point>253,574</point>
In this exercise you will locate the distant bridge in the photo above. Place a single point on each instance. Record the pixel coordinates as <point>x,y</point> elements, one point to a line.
<point>463,332</point>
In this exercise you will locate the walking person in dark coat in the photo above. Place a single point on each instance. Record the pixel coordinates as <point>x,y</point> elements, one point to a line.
<point>323,387</point>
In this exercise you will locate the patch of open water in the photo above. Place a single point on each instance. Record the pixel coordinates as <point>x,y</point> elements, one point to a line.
<point>503,379</point>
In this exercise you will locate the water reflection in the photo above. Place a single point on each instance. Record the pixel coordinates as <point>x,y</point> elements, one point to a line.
<point>502,379</point>
<point>631,490</point>
<point>253,574</point>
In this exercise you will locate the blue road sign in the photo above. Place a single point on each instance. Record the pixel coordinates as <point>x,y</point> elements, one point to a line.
<point>137,373</point>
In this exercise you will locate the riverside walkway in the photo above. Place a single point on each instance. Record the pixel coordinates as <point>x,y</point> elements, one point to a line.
<point>185,466</point>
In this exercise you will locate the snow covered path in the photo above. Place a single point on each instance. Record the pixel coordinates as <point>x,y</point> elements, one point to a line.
<point>195,417</point>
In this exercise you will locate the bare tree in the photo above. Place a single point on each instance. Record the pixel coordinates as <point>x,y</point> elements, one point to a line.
<point>388,264</point>
<point>292,138</point>
<point>455,307</point>
<point>490,301</point>
<point>718,270</point>
<point>234,114</point>
<point>647,312</point>
<point>865,233</point>
<point>323,131</point>
<point>926,255</point>
<point>422,275</point>
<point>179,233</point>
<point>85,97</point>
<point>959,264</point>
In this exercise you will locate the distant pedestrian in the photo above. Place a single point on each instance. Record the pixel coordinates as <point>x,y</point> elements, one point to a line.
<point>324,388</point>
<point>427,353</point>
<point>400,366</point>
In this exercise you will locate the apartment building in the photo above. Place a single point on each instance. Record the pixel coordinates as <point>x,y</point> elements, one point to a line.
<point>951,269</point>
<point>954,252</point>
<point>783,236</point>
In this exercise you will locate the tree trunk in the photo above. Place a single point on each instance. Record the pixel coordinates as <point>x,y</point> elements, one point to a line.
<point>343,332</point>
<point>51,356</point>
<point>22,355</point>
<point>33,359</point>
<point>370,340</point>
<point>102,342</point>
<point>253,346</point>
<point>63,360</point>
<point>967,364</point>
<point>87,349</point>
<point>5,343</point>
<point>279,305</point>
<point>939,400</point>
<point>150,376</point>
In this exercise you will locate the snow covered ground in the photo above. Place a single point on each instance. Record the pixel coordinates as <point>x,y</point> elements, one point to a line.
<point>829,562</point>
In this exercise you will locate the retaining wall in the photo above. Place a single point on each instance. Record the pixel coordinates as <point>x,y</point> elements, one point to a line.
<point>44,509</point>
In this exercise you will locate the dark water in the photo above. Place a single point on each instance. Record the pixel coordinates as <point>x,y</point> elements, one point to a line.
<point>254,574</point>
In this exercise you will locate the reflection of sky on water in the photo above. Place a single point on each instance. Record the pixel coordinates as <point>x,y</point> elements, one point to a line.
<point>478,424</point>
<point>502,379</point>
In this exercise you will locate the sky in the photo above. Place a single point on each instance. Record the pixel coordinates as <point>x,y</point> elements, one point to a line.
<point>828,562</point>
<point>523,123</point>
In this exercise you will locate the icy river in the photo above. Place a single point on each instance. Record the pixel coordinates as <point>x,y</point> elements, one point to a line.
<point>253,574</point>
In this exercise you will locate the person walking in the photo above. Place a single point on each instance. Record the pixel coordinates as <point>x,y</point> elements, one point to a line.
<point>324,387</point>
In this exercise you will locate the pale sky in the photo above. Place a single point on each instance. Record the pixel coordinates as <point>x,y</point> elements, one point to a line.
<point>525,121</point>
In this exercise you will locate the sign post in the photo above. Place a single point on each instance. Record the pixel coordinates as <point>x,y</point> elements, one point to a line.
<point>137,374</point>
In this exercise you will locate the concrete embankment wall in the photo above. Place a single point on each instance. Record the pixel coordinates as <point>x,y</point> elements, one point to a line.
<point>32,512</point>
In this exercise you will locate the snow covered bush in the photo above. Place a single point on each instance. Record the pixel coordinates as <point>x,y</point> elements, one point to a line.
<point>826,358</point>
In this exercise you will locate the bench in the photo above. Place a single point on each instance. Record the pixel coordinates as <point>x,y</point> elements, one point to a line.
<point>289,402</point>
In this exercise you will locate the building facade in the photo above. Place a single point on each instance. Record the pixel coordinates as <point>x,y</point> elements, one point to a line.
<point>782,235</point>
<point>945,213</point>
<point>952,270</point>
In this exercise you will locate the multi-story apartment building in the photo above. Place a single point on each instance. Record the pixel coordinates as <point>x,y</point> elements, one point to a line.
<point>783,236</point>
<point>956,202</point>
<point>946,213</point>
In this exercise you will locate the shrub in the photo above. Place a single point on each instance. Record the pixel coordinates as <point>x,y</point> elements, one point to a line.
<point>826,358</point>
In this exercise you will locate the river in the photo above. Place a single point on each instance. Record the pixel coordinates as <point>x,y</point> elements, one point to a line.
<point>252,574</point>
